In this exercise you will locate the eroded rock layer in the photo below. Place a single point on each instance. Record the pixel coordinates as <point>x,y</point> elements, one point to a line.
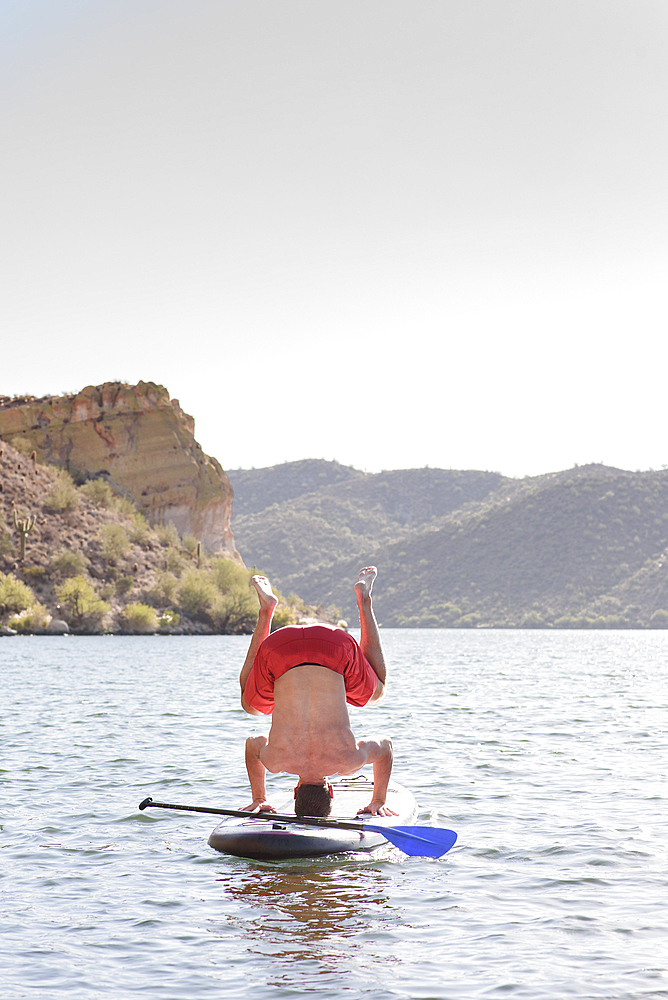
<point>141,441</point>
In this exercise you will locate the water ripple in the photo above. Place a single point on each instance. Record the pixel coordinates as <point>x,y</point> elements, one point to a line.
<point>546,751</point>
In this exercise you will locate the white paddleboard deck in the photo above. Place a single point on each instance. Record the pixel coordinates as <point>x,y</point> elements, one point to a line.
<point>268,839</point>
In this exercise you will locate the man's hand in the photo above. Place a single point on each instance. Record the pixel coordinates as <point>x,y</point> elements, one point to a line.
<point>258,805</point>
<point>376,808</point>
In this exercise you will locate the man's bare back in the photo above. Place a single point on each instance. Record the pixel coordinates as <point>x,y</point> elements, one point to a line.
<point>310,733</point>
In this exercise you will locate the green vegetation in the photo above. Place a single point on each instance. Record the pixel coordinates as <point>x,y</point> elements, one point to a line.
<point>167,535</point>
<point>81,602</point>
<point>169,619</point>
<point>114,542</point>
<point>65,562</point>
<point>15,595</point>
<point>140,617</point>
<point>197,593</point>
<point>174,562</point>
<point>6,544</point>
<point>139,530</point>
<point>190,543</point>
<point>64,495</point>
<point>164,588</point>
<point>99,492</point>
<point>34,617</point>
<point>221,595</point>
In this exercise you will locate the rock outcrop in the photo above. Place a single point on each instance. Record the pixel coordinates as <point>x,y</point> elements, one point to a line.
<point>141,442</point>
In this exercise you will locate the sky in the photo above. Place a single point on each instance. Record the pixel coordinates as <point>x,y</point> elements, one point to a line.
<point>394,234</point>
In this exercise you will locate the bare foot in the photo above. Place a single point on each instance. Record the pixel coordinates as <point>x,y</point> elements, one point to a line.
<point>265,594</point>
<point>365,582</point>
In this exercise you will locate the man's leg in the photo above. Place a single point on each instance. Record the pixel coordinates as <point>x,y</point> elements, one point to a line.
<point>370,636</point>
<point>268,602</point>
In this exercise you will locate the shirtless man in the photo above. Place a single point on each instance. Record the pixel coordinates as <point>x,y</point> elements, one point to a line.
<point>305,675</point>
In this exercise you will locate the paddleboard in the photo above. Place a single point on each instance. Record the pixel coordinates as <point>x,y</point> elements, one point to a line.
<point>269,840</point>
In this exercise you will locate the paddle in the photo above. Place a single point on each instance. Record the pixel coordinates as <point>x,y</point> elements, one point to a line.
<point>417,841</point>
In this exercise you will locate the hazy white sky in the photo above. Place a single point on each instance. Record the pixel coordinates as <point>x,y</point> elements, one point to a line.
<point>392,233</point>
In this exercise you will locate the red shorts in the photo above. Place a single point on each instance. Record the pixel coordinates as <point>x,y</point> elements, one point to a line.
<point>294,645</point>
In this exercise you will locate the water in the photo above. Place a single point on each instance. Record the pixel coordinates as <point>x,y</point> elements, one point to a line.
<point>545,751</point>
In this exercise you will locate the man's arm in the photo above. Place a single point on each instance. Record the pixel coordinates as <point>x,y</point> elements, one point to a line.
<point>381,756</point>
<point>256,775</point>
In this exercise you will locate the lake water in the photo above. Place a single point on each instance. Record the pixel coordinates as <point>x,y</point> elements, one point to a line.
<point>546,751</point>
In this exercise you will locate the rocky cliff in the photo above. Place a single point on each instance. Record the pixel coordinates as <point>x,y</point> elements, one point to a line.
<point>141,442</point>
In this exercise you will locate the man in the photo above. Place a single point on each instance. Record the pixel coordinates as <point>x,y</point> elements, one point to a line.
<point>305,674</point>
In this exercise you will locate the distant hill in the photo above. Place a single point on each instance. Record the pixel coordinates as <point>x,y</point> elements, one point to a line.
<point>296,537</point>
<point>581,548</point>
<point>256,489</point>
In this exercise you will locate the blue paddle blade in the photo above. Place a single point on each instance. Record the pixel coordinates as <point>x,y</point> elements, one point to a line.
<point>418,841</point>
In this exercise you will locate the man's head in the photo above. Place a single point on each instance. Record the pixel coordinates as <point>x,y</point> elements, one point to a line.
<point>313,800</point>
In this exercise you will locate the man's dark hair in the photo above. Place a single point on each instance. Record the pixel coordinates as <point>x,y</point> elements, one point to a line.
<point>313,800</point>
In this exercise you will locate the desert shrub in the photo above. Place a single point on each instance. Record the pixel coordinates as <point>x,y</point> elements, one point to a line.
<point>282,616</point>
<point>15,595</point>
<point>36,573</point>
<point>174,562</point>
<point>227,574</point>
<point>235,607</point>
<point>125,506</point>
<point>466,621</point>
<point>22,444</point>
<point>99,492</point>
<point>233,612</point>
<point>63,494</point>
<point>167,534</point>
<point>164,588</point>
<point>197,593</point>
<point>124,584</point>
<point>140,617</point>
<point>81,602</point>
<point>533,620</point>
<point>68,563</point>
<point>114,541</point>
<point>190,543</point>
<point>6,543</point>
<point>169,619</point>
<point>36,616</point>
<point>139,530</point>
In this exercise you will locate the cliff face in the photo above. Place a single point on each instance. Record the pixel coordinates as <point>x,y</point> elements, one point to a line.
<point>138,439</point>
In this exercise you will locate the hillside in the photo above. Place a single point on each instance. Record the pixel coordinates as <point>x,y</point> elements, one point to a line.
<point>295,535</point>
<point>257,489</point>
<point>581,548</point>
<point>92,561</point>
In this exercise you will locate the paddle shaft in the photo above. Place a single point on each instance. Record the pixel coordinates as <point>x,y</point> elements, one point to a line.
<point>302,820</point>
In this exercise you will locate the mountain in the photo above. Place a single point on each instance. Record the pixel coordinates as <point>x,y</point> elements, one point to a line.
<point>295,536</point>
<point>581,548</point>
<point>257,489</point>
<point>139,441</point>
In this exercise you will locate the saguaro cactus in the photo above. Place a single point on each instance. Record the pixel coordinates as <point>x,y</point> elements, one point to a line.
<point>24,526</point>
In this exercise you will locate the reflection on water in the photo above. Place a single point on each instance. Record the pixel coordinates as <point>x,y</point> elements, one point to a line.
<point>318,912</point>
